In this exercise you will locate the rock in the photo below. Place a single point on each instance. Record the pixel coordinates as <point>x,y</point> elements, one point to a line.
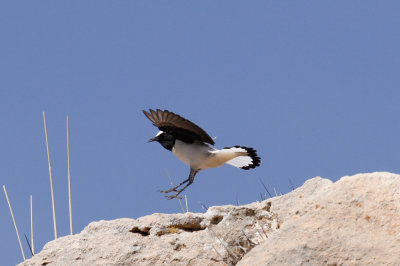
<point>355,221</point>
<point>221,236</point>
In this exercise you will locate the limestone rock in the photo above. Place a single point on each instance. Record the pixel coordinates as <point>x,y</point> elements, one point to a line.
<point>221,236</point>
<point>355,221</point>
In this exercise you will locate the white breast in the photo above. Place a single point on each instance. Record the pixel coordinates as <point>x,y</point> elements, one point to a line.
<point>195,154</point>
<point>202,156</point>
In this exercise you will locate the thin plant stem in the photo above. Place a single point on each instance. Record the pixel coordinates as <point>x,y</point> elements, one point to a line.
<point>172,184</point>
<point>187,206</point>
<point>265,187</point>
<point>51,178</point>
<point>32,243</point>
<point>69,181</point>
<point>15,224</point>
<point>276,194</point>
<point>29,245</point>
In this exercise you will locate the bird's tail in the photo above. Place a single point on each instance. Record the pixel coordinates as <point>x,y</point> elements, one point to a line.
<point>247,157</point>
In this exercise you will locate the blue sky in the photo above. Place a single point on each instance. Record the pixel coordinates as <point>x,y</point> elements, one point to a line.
<point>312,85</point>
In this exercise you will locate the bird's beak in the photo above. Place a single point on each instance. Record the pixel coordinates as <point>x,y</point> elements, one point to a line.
<point>152,139</point>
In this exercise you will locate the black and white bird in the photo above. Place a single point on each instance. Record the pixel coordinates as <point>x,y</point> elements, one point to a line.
<point>193,146</point>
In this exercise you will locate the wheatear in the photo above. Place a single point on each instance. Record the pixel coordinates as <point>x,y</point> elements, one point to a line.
<point>192,145</point>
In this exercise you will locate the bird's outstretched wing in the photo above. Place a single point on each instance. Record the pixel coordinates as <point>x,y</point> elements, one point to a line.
<point>177,126</point>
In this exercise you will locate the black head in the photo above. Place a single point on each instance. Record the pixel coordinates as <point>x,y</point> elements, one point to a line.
<point>165,139</point>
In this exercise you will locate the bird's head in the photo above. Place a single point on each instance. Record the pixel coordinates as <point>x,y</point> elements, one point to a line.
<point>165,139</point>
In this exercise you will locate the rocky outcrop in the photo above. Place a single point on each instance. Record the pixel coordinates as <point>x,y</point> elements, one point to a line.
<point>355,221</point>
<point>221,236</point>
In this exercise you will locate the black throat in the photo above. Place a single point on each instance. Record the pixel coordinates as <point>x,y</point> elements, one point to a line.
<point>166,140</point>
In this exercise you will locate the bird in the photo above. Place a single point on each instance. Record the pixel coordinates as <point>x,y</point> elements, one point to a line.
<point>193,146</point>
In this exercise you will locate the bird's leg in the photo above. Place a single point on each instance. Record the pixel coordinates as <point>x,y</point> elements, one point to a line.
<point>189,181</point>
<point>175,187</point>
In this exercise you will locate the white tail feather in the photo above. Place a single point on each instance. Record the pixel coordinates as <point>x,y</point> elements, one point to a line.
<point>241,161</point>
<point>244,157</point>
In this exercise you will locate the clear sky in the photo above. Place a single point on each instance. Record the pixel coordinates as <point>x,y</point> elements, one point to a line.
<point>314,86</point>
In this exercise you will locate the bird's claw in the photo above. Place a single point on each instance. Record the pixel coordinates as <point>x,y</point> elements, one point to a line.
<point>169,190</point>
<point>174,189</point>
<point>178,191</point>
<point>173,197</point>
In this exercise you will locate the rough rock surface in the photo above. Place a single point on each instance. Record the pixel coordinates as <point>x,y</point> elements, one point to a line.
<point>355,221</point>
<point>221,236</point>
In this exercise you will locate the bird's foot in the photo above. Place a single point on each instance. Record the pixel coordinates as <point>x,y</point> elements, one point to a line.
<point>169,190</point>
<point>189,181</point>
<point>174,189</point>
<point>170,197</point>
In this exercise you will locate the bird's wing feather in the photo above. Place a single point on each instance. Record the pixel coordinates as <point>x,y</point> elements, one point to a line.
<point>176,125</point>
